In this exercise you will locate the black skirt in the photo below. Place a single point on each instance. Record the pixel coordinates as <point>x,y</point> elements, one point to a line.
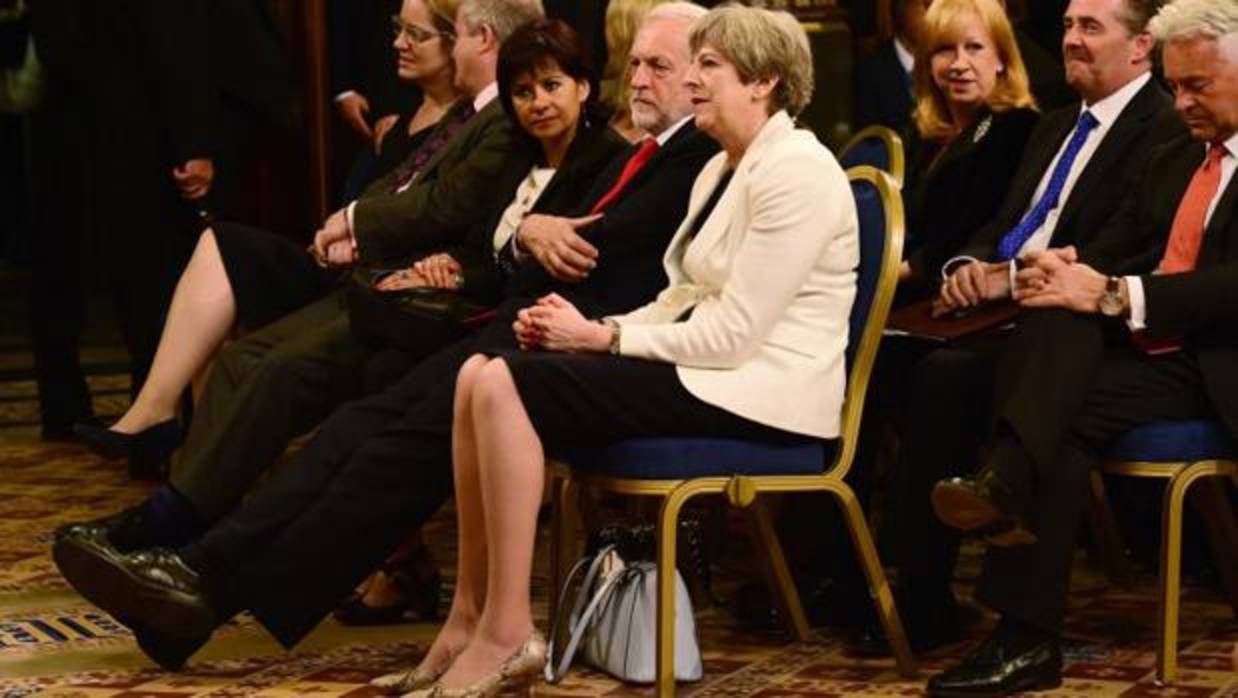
<point>582,400</point>
<point>271,276</point>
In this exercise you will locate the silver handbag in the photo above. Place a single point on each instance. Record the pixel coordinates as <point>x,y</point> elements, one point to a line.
<point>614,621</point>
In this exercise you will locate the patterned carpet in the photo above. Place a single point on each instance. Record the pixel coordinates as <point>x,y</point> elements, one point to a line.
<point>54,644</point>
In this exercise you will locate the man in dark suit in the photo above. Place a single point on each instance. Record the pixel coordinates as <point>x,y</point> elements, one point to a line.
<point>144,126</point>
<point>884,90</point>
<point>282,380</point>
<point>1071,180</point>
<point>1138,328</point>
<point>380,467</point>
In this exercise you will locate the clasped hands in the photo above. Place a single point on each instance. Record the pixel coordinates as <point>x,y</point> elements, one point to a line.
<point>435,271</point>
<point>554,324</point>
<point>1049,278</point>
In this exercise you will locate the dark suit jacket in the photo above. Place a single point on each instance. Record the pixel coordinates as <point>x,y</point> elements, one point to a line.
<point>593,148</point>
<point>632,236</point>
<point>883,93</point>
<point>472,173</point>
<point>1148,120</point>
<point>951,196</point>
<point>248,66</point>
<point>1198,305</point>
<point>1044,378</point>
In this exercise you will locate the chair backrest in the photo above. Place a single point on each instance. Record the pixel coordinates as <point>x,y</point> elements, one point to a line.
<point>880,209</point>
<point>876,146</point>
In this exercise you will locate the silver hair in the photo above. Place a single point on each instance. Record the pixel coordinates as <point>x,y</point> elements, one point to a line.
<point>503,17</point>
<point>1187,19</point>
<point>679,11</point>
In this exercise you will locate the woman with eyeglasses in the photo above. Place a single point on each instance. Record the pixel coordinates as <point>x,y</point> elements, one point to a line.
<point>243,278</point>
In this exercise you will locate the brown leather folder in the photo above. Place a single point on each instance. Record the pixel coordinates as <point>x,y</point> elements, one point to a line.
<point>916,320</point>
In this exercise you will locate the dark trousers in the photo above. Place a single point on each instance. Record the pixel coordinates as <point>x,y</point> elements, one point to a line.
<point>377,469</point>
<point>1070,387</point>
<point>946,399</point>
<point>266,389</point>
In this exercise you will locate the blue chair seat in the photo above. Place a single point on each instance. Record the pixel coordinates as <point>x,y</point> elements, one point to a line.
<point>1169,442</point>
<point>666,458</point>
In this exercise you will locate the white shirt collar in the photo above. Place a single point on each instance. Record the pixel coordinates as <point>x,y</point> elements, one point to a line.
<point>1231,146</point>
<point>905,57</point>
<point>667,133</point>
<point>486,96</point>
<point>1110,108</point>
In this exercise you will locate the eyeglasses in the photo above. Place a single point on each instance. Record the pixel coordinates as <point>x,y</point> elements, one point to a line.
<point>416,33</point>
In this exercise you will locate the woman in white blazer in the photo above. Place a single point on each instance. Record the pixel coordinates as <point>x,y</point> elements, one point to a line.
<point>747,341</point>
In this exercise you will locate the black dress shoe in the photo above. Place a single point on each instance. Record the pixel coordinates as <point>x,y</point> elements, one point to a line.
<point>985,505</point>
<point>150,589</point>
<point>1000,667</point>
<point>125,531</point>
<point>153,444</point>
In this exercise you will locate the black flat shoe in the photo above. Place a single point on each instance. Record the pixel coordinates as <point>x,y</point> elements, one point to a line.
<point>1000,667</point>
<point>420,584</point>
<point>152,444</point>
<point>985,506</point>
<point>151,589</point>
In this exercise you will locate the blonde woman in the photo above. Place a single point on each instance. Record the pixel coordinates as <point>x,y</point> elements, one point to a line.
<point>974,113</point>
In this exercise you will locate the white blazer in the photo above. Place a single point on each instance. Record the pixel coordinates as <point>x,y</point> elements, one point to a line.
<point>770,278</point>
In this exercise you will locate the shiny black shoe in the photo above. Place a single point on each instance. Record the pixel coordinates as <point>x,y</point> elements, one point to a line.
<point>984,505</point>
<point>125,531</point>
<point>150,589</point>
<point>1000,667</point>
<point>152,444</point>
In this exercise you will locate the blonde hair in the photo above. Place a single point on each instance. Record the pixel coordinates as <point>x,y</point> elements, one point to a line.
<point>623,19</point>
<point>762,45</point>
<point>941,27</point>
<point>443,15</point>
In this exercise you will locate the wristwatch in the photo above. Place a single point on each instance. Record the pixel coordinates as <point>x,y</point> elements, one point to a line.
<point>1110,302</point>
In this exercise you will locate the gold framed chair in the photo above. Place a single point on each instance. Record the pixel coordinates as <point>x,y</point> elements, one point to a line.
<point>879,147</point>
<point>881,233</point>
<point>1181,453</point>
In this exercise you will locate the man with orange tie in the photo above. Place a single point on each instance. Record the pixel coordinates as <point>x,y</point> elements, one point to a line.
<point>1139,327</point>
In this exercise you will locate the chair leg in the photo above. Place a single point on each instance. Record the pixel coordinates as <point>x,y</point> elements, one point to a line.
<point>1171,568</point>
<point>563,538</point>
<point>878,585</point>
<point>1211,498</point>
<point>1108,538</point>
<point>777,575</point>
<point>668,529</point>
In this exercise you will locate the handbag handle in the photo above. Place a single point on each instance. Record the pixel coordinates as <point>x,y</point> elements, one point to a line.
<point>554,672</point>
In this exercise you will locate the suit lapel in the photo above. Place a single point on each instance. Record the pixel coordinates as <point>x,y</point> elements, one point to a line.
<point>1219,236</point>
<point>1099,171</point>
<point>474,124</point>
<point>1044,153</point>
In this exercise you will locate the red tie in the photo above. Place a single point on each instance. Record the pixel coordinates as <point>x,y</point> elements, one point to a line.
<point>635,164</point>
<point>1187,235</point>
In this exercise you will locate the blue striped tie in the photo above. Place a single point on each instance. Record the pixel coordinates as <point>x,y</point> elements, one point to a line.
<point>1013,240</point>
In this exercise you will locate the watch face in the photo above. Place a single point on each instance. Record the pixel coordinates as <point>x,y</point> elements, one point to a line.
<point>1110,304</point>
